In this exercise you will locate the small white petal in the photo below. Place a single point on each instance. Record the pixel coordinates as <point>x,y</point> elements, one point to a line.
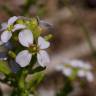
<point>23,58</point>
<point>43,43</point>
<point>5,36</point>
<point>12,20</point>
<point>26,38</point>
<point>89,76</point>
<point>87,66</point>
<point>43,58</point>
<point>67,71</point>
<point>45,24</point>
<point>81,73</point>
<point>77,63</point>
<point>4,26</point>
<point>18,27</point>
<point>73,64</point>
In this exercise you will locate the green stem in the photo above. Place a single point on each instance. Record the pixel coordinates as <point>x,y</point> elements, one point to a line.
<point>20,88</point>
<point>22,84</point>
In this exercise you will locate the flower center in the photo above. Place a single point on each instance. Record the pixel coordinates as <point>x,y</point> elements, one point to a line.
<point>33,49</point>
<point>10,27</point>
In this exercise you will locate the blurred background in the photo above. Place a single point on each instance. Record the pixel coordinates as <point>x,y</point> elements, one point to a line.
<point>74,36</point>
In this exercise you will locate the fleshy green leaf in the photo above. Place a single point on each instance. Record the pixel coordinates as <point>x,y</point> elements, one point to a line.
<point>4,68</point>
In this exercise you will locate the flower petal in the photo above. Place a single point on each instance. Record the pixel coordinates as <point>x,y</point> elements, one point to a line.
<point>5,36</point>
<point>12,20</point>
<point>23,58</point>
<point>18,27</point>
<point>87,66</point>
<point>4,26</point>
<point>67,71</point>
<point>43,43</point>
<point>89,76</point>
<point>26,38</point>
<point>43,58</point>
<point>76,63</point>
<point>81,73</point>
<point>44,25</point>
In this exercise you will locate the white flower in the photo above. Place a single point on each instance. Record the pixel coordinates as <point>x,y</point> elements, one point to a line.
<point>84,70</point>
<point>9,28</point>
<point>76,63</point>
<point>87,74</point>
<point>24,57</point>
<point>80,64</point>
<point>87,66</point>
<point>67,71</point>
<point>81,73</point>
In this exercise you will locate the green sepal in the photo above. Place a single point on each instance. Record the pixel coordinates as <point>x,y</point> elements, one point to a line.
<point>4,68</point>
<point>19,21</point>
<point>34,27</point>
<point>48,37</point>
<point>12,54</point>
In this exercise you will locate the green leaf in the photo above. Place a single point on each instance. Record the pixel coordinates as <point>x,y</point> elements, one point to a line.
<point>48,37</point>
<point>37,69</point>
<point>4,68</point>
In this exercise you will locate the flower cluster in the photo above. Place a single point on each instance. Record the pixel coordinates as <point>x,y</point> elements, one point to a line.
<point>25,36</point>
<point>76,68</point>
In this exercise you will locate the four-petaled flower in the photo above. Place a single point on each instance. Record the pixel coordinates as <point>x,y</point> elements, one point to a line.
<point>24,57</point>
<point>76,68</point>
<point>9,28</point>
